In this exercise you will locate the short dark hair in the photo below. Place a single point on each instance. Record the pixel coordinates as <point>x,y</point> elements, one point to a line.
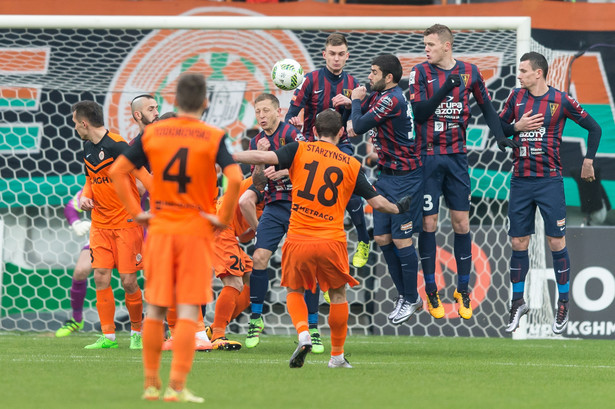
<point>537,62</point>
<point>328,123</point>
<point>268,97</point>
<point>167,115</point>
<point>336,39</point>
<point>191,92</point>
<point>443,32</point>
<point>91,111</point>
<point>389,64</point>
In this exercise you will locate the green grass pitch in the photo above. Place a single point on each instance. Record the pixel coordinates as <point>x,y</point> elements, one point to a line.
<point>40,371</point>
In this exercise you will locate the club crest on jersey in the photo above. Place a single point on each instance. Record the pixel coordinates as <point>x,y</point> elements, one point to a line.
<point>553,108</point>
<point>347,92</point>
<point>139,257</point>
<point>101,155</point>
<point>465,78</point>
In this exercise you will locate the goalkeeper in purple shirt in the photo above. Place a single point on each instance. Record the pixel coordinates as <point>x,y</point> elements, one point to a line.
<point>535,114</point>
<point>82,270</point>
<point>440,90</point>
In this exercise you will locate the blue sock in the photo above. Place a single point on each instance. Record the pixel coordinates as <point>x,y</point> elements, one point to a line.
<point>463,256</point>
<point>311,300</point>
<point>357,215</point>
<point>394,265</point>
<point>409,271</point>
<point>561,265</point>
<point>427,251</point>
<point>259,284</point>
<point>519,266</point>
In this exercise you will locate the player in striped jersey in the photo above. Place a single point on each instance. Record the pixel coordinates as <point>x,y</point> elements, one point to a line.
<point>440,90</point>
<point>316,94</point>
<point>274,220</point>
<point>536,114</point>
<point>389,116</point>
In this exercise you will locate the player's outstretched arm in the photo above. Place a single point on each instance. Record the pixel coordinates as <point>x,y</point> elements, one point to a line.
<point>256,157</point>
<point>422,110</point>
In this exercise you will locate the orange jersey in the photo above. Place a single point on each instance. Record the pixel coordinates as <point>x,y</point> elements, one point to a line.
<point>239,224</point>
<point>182,153</point>
<point>108,212</point>
<point>323,179</point>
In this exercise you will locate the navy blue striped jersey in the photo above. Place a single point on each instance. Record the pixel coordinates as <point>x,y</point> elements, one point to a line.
<point>315,95</point>
<point>538,155</point>
<point>444,132</point>
<point>285,133</point>
<point>389,116</point>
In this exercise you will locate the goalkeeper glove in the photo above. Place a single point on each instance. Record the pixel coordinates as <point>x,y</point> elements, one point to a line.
<point>505,142</point>
<point>81,227</point>
<point>403,205</point>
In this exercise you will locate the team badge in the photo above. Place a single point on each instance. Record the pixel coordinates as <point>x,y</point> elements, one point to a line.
<point>347,92</point>
<point>553,108</point>
<point>101,155</point>
<point>465,78</point>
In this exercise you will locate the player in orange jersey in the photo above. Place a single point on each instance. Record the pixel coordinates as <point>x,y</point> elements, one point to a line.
<point>115,238</point>
<point>315,250</point>
<point>182,153</point>
<point>232,265</point>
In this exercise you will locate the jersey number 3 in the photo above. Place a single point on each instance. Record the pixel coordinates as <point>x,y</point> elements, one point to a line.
<point>328,189</point>
<point>179,176</point>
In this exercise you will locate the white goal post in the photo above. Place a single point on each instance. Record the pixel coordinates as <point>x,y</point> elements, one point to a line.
<point>58,60</point>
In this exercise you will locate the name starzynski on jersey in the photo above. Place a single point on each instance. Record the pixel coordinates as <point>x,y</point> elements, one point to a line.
<point>337,155</point>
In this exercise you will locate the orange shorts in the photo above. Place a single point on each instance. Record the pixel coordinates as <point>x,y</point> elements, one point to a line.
<point>178,270</point>
<point>229,258</point>
<point>310,260</point>
<point>117,248</point>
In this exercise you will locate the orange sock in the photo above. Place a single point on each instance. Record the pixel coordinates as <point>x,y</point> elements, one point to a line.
<point>171,318</point>
<point>298,311</point>
<point>338,323</point>
<point>153,333</point>
<point>241,302</point>
<point>225,304</point>
<point>105,304</point>
<point>134,305</point>
<point>183,352</point>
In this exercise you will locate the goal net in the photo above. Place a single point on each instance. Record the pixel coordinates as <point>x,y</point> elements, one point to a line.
<point>49,63</point>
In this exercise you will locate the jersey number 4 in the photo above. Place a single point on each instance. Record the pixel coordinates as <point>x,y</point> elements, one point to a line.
<point>330,185</point>
<point>179,176</point>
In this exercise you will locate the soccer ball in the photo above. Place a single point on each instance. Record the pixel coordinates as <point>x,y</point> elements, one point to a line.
<point>287,74</point>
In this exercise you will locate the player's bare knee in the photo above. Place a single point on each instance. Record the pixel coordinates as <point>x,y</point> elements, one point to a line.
<point>520,243</point>
<point>81,273</point>
<point>102,278</point>
<point>556,243</point>
<point>337,295</point>
<point>383,240</point>
<point>260,258</point>
<point>234,282</point>
<point>430,223</point>
<point>129,282</point>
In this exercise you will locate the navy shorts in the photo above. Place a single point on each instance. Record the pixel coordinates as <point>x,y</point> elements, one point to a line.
<point>394,187</point>
<point>528,192</point>
<point>272,225</point>
<point>446,175</point>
